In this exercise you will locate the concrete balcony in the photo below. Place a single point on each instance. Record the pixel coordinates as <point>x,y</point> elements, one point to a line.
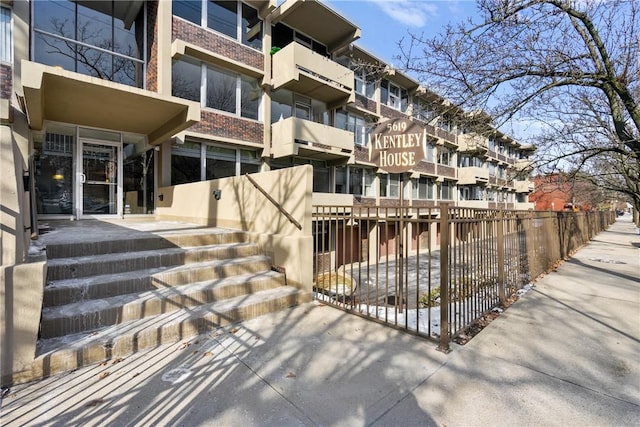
<point>331,199</point>
<point>479,204</point>
<point>299,137</point>
<point>523,186</point>
<point>468,143</point>
<point>473,175</point>
<point>305,72</point>
<point>523,164</point>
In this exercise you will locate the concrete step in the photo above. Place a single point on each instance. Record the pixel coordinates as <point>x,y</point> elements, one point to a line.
<point>62,292</point>
<point>93,314</point>
<point>70,352</point>
<point>135,242</point>
<point>119,262</point>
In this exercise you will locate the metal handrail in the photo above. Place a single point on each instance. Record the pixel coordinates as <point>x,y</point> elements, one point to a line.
<point>275,203</point>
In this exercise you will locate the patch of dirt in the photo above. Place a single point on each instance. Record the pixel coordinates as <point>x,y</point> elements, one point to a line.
<point>475,328</point>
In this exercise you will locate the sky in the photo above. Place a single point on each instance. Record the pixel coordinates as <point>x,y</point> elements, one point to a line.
<point>384,22</point>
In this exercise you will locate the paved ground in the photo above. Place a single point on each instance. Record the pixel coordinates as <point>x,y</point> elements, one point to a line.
<point>567,353</point>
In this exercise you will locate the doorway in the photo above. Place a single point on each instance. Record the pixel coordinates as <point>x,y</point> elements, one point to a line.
<point>99,183</point>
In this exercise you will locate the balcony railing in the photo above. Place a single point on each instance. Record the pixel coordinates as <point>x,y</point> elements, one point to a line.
<point>299,137</point>
<point>308,73</point>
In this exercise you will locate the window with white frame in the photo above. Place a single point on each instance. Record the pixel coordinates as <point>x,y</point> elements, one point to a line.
<point>393,96</point>
<point>216,88</point>
<point>234,19</point>
<point>431,149</point>
<point>364,85</point>
<point>6,45</point>
<point>422,188</point>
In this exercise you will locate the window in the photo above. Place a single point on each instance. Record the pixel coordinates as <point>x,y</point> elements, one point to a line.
<point>303,108</point>
<point>5,35</point>
<point>364,85</point>
<point>98,39</point>
<point>394,96</point>
<point>187,163</point>
<point>471,192</point>
<point>430,152</point>
<point>422,111</point>
<point>224,90</point>
<point>390,185</point>
<point>231,18</point>
<point>341,180</point>
<point>282,35</point>
<point>422,188</point>
<point>445,156</point>
<point>355,124</point>
<point>446,190</point>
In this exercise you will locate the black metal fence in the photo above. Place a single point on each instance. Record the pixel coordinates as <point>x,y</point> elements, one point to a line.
<point>436,271</point>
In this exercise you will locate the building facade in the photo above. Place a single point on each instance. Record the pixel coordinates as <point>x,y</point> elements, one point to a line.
<point>104,102</point>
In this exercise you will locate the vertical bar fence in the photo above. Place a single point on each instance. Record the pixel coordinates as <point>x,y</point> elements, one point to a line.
<point>434,271</point>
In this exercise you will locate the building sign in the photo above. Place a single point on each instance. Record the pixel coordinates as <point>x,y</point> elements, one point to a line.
<point>397,145</point>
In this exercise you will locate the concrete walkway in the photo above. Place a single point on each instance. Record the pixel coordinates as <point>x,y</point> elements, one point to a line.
<point>567,353</point>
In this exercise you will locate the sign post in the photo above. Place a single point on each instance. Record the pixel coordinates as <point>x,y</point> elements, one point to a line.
<point>397,146</point>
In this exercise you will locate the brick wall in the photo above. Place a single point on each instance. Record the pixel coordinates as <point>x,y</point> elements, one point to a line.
<point>390,113</point>
<point>365,103</point>
<point>213,42</point>
<point>223,125</point>
<point>152,41</point>
<point>6,81</point>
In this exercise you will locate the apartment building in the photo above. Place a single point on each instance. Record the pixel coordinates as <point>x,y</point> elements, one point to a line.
<point>104,102</point>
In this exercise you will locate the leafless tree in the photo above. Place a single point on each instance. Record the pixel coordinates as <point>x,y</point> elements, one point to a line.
<point>568,68</point>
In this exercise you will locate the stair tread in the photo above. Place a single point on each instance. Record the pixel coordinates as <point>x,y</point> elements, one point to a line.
<point>84,307</point>
<point>112,277</point>
<point>139,254</point>
<point>110,334</point>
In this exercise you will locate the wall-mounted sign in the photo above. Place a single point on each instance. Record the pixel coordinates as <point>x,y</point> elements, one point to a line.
<point>397,145</point>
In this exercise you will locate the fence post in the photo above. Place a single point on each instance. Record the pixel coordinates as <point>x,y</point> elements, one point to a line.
<point>500,243</point>
<point>445,337</point>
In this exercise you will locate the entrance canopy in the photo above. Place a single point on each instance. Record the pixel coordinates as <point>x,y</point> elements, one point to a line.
<point>51,93</point>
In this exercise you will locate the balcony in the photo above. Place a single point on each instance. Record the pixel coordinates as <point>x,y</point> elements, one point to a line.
<point>305,72</point>
<point>299,137</point>
<point>478,204</point>
<point>523,164</point>
<point>469,143</point>
<point>473,175</point>
<point>523,186</point>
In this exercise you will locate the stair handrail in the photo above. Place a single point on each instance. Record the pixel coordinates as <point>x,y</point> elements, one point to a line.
<point>274,202</point>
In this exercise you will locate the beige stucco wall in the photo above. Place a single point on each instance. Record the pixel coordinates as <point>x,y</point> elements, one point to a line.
<point>20,306</point>
<point>242,206</point>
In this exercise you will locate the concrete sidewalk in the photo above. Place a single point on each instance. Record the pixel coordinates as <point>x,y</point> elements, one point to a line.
<point>567,353</point>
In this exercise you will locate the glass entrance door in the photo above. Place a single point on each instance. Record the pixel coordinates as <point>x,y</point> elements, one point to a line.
<point>100,189</point>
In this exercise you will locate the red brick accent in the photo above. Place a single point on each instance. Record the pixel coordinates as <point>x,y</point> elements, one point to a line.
<point>223,125</point>
<point>365,103</point>
<point>390,113</point>
<point>360,154</point>
<point>152,41</point>
<point>213,42</point>
<point>6,81</point>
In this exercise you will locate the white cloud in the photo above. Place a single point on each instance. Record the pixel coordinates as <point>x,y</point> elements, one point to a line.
<point>413,13</point>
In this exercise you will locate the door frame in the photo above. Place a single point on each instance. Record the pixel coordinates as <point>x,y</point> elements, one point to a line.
<point>79,178</point>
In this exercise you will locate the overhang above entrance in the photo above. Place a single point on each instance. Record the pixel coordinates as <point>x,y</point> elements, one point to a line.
<point>58,95</point>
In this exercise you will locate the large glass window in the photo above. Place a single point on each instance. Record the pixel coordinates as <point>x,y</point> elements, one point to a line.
<point>187,164</point>
<point>5,35</point>
<point>231,18</point>
<point>224,90</point>
<point>54,170</point>
<point>221,90</point>
<point>103,39</point>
